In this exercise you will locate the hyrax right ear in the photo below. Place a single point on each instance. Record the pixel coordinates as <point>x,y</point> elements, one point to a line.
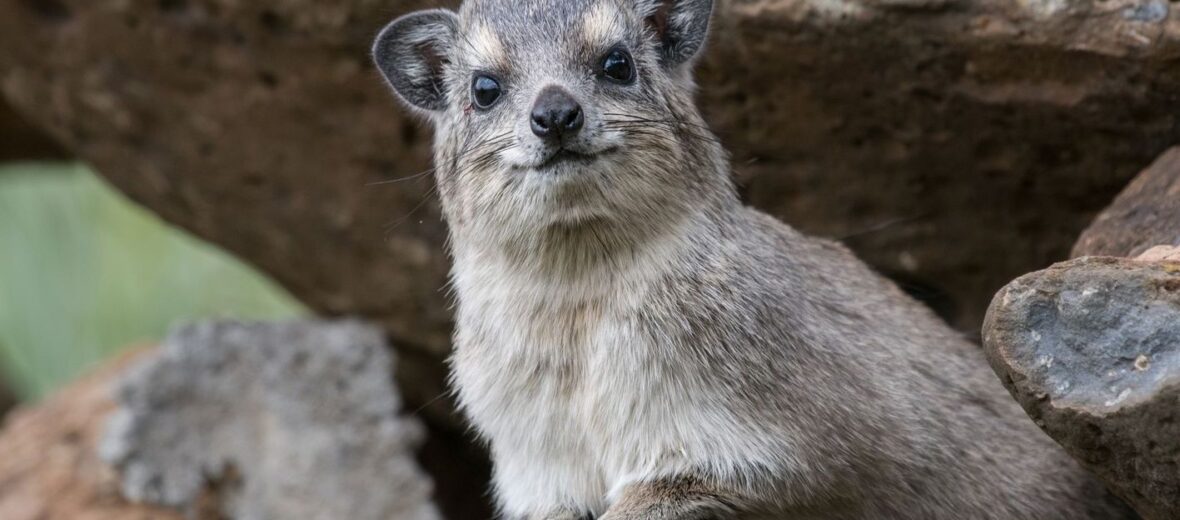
<point>681,27</point>
<point>411,53</point>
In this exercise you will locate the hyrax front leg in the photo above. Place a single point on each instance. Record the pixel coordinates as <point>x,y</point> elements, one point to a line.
<point>673,499</point>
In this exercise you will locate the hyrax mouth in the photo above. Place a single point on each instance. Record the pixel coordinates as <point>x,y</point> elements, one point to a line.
<point>566,157</point>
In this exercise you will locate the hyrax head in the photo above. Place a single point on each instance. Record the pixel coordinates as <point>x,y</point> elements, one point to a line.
<point>558,113</point>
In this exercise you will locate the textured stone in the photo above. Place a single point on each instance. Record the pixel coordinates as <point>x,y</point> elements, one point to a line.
<point>292,420</point>
<point>1145,214</point>
<point>49,468</point>
<point>1091,349</point>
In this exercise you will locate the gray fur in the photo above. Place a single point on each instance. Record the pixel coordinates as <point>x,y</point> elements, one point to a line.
<point>681,28</point>
<point>405,53</point>
<point>633,343</point>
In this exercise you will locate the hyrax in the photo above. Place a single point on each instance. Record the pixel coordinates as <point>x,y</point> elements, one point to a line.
<point>633,343</point>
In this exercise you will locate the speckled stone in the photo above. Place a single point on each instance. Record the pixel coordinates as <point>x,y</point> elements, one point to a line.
<point>1091,350</point>
<point>289,420</point>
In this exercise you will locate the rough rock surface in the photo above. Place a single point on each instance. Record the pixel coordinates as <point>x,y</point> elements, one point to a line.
<point>49,468</point>
<point>291,420</point>
<point>1145,214</point>
<point>900,125</point>
<point>1091,349</point>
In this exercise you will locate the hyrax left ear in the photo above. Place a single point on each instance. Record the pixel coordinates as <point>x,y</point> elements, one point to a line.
<point>411,53</point>
<point>681,27</point>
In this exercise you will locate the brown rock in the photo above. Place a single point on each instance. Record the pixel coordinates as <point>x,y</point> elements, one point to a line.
<point>1091,350</point>
<point>49,469</point>
<point>1145,214</point>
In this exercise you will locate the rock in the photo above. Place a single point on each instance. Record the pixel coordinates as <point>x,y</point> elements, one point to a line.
<point>1091,350</point>
<point>1091,347</point>
<point>294,420</point>
<point>50,469</point>
<point>1145,214</point>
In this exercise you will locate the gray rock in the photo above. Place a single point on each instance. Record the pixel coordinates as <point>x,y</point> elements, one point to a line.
<point>1091,349</point>
<point>1144,215</point>
<point>295,420</point>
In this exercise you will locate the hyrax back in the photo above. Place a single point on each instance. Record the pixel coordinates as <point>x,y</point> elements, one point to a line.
<point>633,343</point>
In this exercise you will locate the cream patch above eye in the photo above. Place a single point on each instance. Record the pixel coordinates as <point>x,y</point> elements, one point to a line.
<point>486,46</point>
<point>603,25</point>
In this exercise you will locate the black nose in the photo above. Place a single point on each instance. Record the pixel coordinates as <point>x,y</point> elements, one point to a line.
<point>556,114</point>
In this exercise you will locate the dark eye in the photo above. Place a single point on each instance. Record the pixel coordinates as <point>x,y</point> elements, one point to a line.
<point>486,91</point>
<point>618,67</point>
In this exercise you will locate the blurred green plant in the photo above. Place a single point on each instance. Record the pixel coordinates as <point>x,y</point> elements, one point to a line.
<point>84,273</point>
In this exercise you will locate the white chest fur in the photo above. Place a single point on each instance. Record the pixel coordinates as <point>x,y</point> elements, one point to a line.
<point>533,370</point>
<point>577,396</point>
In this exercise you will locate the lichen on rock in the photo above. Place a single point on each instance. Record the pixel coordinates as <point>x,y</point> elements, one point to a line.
<point>259,421</point>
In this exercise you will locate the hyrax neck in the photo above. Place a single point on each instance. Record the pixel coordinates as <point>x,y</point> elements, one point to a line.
<point>569,263</point>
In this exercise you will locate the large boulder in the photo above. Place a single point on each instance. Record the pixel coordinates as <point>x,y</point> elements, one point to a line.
<point>1091,350</point>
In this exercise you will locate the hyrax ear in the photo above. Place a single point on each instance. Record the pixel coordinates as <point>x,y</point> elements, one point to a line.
<point>681,27</point>
<point>411,53</point>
